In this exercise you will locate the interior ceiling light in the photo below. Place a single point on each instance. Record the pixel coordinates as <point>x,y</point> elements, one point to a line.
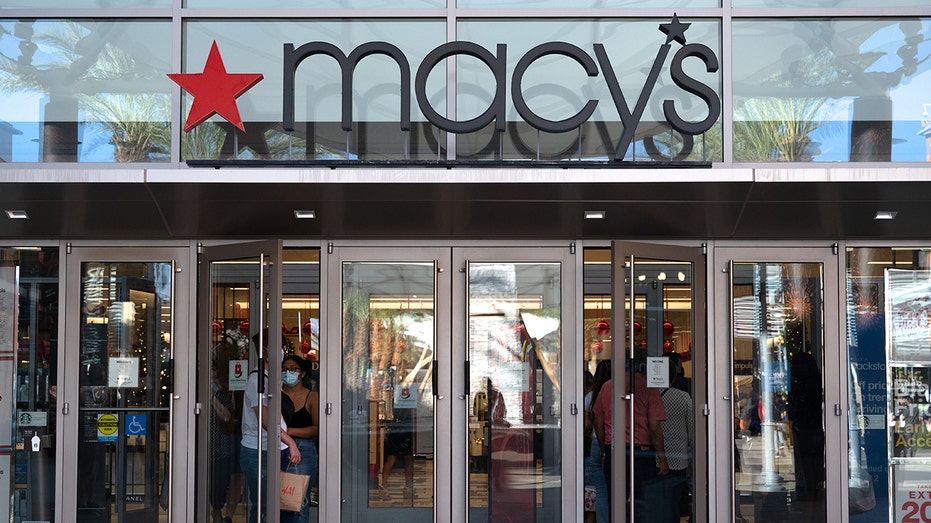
<point>16,214</point>
<point>594,215</point>
<point>885,215</point>
<point>305,215</point>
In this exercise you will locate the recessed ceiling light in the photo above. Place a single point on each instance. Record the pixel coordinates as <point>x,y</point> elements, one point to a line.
<point>594,215</point>
<point>16,214</point>
<point>305,215</point>
<point>885,215</point>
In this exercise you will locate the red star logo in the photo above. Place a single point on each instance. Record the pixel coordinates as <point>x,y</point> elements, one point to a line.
<point>215,91</point>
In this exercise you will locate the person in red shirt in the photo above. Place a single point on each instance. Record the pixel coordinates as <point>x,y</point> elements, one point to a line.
<point>649,459</point>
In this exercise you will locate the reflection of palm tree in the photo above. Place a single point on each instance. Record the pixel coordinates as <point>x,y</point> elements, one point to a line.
<point>770,128</point>
<point>831,64</point>
<point>776,129</point>
<point>79,60</point>
<point>138,127</point>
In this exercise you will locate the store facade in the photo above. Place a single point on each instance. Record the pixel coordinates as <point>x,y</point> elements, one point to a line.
<point>455,212</point>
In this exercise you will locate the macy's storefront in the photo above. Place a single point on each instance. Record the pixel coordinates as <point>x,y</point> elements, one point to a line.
<point>456,214</point>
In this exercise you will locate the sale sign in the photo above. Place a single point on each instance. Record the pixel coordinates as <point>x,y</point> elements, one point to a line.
<point>912,492</point>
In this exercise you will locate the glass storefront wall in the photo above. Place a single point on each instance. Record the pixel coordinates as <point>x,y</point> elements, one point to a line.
<point>551,4</point>
<point>556,88</point>
<point>85,90</point>
<point>29,341</point>
<point>794,4</point>
<point>889,351</point>
<point>828,89</point>
<point>325,4</point>
<point>90,4</point>
<point>376,130</point>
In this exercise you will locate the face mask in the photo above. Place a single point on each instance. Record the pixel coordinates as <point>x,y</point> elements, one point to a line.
<point>290,378</point>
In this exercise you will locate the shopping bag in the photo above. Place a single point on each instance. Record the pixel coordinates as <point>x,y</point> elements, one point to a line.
<point>293,489</point>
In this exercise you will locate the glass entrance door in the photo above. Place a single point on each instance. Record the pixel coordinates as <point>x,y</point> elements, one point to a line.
<point>391,455</point>
<point>126,392</point>
<point>450,406</point>
<point>240,396</point>
<point>648,420</point>
<point>782,325</point>
<point>513,377</point>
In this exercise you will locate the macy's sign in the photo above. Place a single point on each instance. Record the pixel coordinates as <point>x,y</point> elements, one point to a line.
<point>219,89</point>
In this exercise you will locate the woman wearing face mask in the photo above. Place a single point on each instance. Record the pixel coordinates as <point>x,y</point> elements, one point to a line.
<point>303,427</point>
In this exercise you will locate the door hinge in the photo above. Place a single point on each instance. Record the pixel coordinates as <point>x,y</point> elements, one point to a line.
<point>573,409</point>
<point>834,248</point>
<point>328,409</point>
<point>572,248</point>
<point>68,248</point>
<point>197,408</point>
<point>66,408</point>
<point>704,249</point>
<point>837,409</point>
<point>706,410</point>
<point>329,248</point>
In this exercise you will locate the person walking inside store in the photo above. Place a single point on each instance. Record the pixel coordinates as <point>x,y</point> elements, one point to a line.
<point>597,510</point>
<point>677,441</point>
<point>254,428</point>
<point>649,459</point>
<point>399,443</point>
<point>303,427</point>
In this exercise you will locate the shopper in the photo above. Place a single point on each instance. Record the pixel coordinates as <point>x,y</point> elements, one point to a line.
<point>677,441</point>
<point>303,427</point>
<point>254,430</point>
<point>647,434</point>
<point>596,510</point>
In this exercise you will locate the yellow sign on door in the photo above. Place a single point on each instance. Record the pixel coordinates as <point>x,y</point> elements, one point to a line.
<point>107,426</point>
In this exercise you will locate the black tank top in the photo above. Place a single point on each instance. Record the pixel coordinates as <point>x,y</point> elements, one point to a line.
<point>301,417</point>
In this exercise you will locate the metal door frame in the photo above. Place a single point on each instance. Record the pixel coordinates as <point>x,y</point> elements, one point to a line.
<point>331,494</point>
<point>181,441</point>
<point>450,490</point>
<point>272,252</point>
<point>620,251</point>
<point>721,377</point>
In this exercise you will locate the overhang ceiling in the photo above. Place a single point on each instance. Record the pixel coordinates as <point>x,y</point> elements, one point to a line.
<point>225,203</point>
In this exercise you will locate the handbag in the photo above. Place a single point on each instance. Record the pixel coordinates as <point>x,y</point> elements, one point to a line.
<point>293,490</point>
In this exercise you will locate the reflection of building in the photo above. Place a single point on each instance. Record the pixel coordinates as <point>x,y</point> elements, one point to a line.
<point>926,129</point>
<point>7,132</point>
